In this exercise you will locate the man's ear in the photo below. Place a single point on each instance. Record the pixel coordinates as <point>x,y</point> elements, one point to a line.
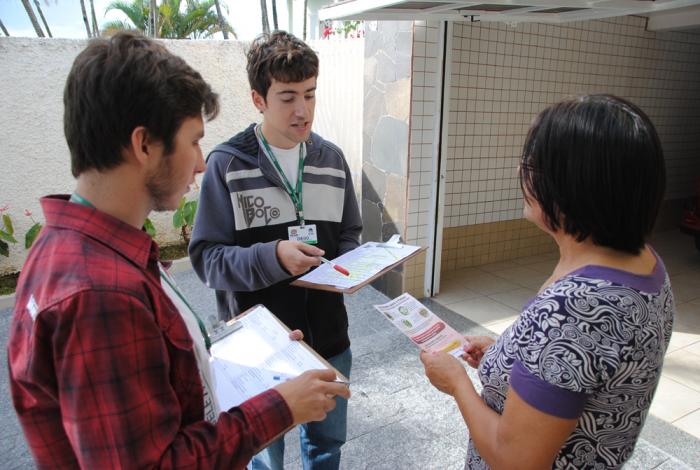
<point>258,100</point>
<point>142,145</point>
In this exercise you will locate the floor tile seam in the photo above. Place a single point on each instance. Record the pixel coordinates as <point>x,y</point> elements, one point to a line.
<point>677,382</point>
<point>670,421</point>
<point>373,430</point>
<point>516,312</point>
<point>455,301</point>
<point>685,415</point>
<point>687,352</point>
<point>659,466</point>
<point>686,384</point>
<point>662,452</point>
<point>495,273</point>
<point>678,324</point>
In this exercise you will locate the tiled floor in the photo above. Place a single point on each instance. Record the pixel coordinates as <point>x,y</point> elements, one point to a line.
<point>492,295</point>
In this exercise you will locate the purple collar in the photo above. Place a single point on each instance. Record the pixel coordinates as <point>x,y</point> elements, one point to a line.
<point>652,282</point>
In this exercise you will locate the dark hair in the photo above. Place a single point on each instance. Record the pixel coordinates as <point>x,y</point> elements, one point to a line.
<point>595,166</point>
<point>124,82</point>
<point>280,56</point>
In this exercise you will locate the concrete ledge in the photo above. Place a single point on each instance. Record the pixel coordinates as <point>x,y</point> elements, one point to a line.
<point>178,266</point>
<point>7,301</point>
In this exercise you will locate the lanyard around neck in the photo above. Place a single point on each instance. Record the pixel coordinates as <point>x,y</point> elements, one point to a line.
<point>294,194</point>
<point>78,199</point>
<point>166,277</point>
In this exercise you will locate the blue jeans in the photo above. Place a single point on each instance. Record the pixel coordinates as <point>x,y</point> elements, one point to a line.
<point>320,440</point>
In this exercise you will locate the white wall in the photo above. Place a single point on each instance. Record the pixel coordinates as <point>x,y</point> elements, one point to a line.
<point>34,157</point>
<point>339,99</point>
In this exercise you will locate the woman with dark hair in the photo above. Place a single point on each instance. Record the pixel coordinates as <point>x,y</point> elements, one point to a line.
<point>570,382</point>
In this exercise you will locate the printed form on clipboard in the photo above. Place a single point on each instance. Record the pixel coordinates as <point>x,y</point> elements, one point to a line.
<point>364,263</point>
<point>257,356</point>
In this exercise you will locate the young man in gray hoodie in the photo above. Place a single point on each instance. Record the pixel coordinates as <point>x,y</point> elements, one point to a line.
<point>274,198</point>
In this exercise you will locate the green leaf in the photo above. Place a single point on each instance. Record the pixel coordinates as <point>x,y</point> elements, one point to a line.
<point>7,237</point>
<point>4,249</point>
<point>150,228</point>
<point>182,203</point>
<point>8,225</point>
<point>31,235</point>
<point>178,218</point>
<point>190,211</point>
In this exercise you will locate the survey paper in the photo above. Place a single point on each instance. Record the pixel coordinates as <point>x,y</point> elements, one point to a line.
<point>422,326</point>
<point>257,357</point>
<point>363,262</point>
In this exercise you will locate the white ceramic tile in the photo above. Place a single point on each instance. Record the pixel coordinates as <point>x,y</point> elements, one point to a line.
<point>683,367</point>
<point>500,326</point>
<point>674,400</point>
<point>680,338</point>
<point>483,310</point>
<point>687,313</point>
<point>690,424</point>
<point>454,294</point>
<point>515,299</point>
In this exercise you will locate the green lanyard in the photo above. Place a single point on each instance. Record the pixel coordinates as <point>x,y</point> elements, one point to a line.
<point>78,199</point>
<point>164,276</point>
<point>295,195</point>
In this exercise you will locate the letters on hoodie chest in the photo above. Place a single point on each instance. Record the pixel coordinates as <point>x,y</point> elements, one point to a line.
<point>258,202</point>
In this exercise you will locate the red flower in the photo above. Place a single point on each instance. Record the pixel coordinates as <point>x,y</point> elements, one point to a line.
<point>4,208</point>
<point>27,212</point>
<point>327,31</point>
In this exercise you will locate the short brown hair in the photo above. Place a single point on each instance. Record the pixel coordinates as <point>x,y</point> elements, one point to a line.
<point>280,56</point>
<point>124,82</point>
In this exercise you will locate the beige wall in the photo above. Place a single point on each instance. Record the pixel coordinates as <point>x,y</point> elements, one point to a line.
<point>35,159</point>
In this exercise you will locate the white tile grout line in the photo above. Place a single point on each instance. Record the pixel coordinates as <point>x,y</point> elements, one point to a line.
<point>179,265</point>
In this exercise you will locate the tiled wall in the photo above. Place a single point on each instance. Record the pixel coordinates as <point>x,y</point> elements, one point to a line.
<point>425,90</point>
<point>472,245</point>
<point>502,76</point>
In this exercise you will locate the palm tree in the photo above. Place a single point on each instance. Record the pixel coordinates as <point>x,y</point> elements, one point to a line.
<point>95,28</point>
<point>4,30</point>
<point>85,18</point>
<point>32,18</point>
<point>306,13</point>
<point>274,14</point>
<point>137,13</point>
<point>153,21</point>
<point>198,20</point>
<point>41,14</point>
<point>265,21</point>
<point>222,23</point>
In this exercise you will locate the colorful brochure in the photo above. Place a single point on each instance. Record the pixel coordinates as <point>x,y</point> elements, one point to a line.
<point>422,326</point>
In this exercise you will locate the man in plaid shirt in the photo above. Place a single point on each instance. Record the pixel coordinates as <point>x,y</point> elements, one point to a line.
<point>102,368</point>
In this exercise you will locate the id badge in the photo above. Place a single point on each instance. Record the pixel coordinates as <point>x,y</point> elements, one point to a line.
<point>306,233</point>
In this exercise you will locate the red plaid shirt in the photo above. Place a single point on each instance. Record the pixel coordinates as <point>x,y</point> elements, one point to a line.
<point>102,370</point>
